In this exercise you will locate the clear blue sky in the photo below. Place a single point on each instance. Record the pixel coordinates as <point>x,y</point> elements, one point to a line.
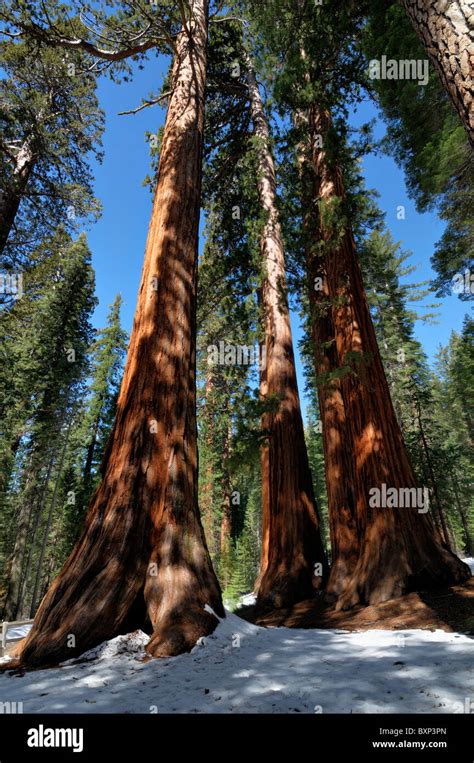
<point>118,240</point>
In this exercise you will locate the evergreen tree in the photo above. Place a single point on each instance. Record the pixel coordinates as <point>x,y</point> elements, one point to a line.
<point>425,137</point>
<point>51,353</point>
<point>51,129</point>
<point>107,355</point>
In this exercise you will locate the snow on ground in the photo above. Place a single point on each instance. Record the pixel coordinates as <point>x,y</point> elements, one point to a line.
<point>470,562</point>
<point>242,668</point>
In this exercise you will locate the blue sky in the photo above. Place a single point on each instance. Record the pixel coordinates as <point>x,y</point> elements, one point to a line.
<point>117,240</point>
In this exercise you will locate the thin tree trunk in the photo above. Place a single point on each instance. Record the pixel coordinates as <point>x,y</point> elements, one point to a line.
<point>143,553</point>
<point>432,478</point>
<point>294,542</point>
<point>468,545</point>
<point>37,517</point>
<point>19,569</point>
<point>446,30</point>
<point>52,506</point>
<point>10,198</point>
<point>398,547</point>
<point>226,520</point>
<point>86,476</point>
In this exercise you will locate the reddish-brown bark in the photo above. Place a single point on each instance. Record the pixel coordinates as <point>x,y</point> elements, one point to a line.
<point>142,557</point>
<point>338,460</point>
<point>398,547</point>
<point>206,498</point>
<point>445,28</point>
<point>264,475</point>
<point>291,536</point>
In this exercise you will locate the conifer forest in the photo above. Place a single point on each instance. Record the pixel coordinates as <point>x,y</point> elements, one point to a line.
<point>252,485</point>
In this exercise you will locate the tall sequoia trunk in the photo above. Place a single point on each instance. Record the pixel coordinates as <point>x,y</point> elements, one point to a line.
<point>264,469</point>
<point>337,458</point>
<point>294,542</point>
<point>446,29</point>
<point>398,547</point>
<point>11,197</point>
<point>207,490</point>
<point>142,557</point>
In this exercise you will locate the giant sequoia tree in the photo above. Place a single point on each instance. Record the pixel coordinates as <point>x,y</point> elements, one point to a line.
<point>293,559</point>
<point>395,549</point>
<point>292,545</point>
<point>142,557</point>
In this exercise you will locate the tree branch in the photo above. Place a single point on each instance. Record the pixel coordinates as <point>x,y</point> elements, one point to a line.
<point>145,104</point>
<point>57,40</point>
<point>228,18</point>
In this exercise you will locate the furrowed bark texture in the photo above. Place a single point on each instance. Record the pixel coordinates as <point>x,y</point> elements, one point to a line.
<point>292,541</point>
<point>398,547</point>
<point>143,557</point>
<point>337,458</point>
<point>264,471</point>
<point>446,29</point>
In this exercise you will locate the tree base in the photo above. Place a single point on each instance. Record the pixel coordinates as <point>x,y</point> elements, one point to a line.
<point>282,588</point>
<point>179,633</point>
<point>375,583</point>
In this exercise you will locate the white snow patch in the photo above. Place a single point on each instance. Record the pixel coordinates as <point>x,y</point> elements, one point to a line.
<point>130,645</point>
<point>242,668</point>
<point>248,600</point>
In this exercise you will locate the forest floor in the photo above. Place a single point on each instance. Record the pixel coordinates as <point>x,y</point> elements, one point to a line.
<point>246,668</point>
<point>451,609</point>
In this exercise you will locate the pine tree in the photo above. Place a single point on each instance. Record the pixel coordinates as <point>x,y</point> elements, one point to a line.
<point>50,363</point>
<point>225,323</point>
<point>107,354</point>
<point>52,127</point>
